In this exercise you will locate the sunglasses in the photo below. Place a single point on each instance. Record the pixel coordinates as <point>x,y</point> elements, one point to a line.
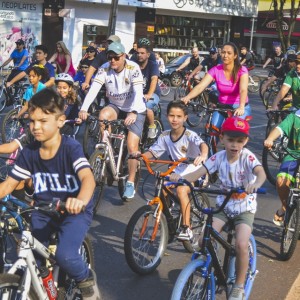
<point>90,51</point>
<point>115,57</point>
<point>84,67</point>
<point>19,44</point>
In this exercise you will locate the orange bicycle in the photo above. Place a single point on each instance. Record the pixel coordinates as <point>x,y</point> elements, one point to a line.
<point>153,225</point>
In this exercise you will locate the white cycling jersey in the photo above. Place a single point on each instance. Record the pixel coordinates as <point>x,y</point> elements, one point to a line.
<point>124,89</point>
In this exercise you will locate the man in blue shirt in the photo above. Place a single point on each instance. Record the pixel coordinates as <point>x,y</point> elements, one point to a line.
<point>41,53</point>
<point>20,58</point>
<point>151,89</point>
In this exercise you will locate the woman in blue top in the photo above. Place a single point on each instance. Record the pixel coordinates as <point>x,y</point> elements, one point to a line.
<point>35,74</point>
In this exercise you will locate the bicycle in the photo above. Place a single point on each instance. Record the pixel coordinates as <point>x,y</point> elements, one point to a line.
<point>165,85</point>
<point>272,158</point>
<point>23,279</point>
<point>253,84</point>
<point>199,278</point>
<point>291,221</point>
<point>108,160</point>
<point>153,225</point>
<point>14,94</point>
<point>196,105</point>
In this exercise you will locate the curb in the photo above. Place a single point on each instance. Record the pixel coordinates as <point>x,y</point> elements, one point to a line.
<point>294,292</point>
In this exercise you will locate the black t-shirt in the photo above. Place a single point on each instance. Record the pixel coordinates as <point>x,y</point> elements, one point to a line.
<point>249,59</point>
<point>209,62</point>
<point>99,60</point>
<point>194,62</point>
<point>87,62</point>
<point>277,59</point>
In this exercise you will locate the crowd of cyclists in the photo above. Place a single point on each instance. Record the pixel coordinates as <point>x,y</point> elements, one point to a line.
<point>58,92</point>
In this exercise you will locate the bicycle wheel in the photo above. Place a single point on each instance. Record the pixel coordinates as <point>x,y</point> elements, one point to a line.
<point>12,128</point>
<point>197,220</point>
<point>251,272</point>
<point>142,254</point>
<point>2,95</point>
<point>260,87</point>
<point>254,84</point>
<point>196,112</point>
<point>268,97</point>
<point>190,283</point>
<point>10,288</point>
<point>91,136</point>
<point>124,174</point>
<point>146,143</point>
<point>290,232</point>
<point>165,87</point>
<point>98,165</point>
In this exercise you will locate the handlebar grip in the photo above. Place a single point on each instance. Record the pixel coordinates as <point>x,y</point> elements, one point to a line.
<point>61,206</point>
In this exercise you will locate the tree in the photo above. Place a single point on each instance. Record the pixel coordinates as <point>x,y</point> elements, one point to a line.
<point>279,15</point>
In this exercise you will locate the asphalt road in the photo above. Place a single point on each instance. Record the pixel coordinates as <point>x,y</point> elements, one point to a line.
<point>116,279</point>
<point>118,282</point>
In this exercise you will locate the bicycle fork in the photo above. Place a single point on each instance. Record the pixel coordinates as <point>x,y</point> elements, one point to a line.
<point>157,216</point>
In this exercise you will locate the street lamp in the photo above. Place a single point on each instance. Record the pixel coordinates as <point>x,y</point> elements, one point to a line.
<point>112,18</point>
<point>251,34</point>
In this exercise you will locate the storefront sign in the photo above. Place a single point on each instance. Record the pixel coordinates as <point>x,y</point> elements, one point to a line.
<point>7,15</point>
<point>150,28</point>
<point>242,8</point>
<point>19,20</point>
<point>273,25</point>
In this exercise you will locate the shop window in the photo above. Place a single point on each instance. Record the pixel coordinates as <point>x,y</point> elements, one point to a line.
<point>96,34</point>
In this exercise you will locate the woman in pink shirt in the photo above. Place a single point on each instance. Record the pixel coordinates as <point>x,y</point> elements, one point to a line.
<point>232,82</point>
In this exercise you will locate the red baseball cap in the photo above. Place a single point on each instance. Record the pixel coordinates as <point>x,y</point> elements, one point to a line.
<point>235,127</point>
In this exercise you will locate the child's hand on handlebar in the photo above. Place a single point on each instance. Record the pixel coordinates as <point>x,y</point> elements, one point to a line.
<point>252,188</point>
<point>268,143</point>
<point>199,160</point>
<point>83,115</point>
<point>186,100</point>
<point>74,206</point>
<point>174,177</point>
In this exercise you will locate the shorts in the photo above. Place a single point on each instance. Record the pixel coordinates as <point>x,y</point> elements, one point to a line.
<point>279,73</point>
<point>243,218</point>
<point>137,126</point>
<point>150,104</point>
<point>288,169</point>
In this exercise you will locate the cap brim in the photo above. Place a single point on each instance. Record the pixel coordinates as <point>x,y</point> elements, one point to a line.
<point>235,134</point>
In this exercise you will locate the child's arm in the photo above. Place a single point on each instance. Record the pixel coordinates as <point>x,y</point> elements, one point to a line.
<point>274,134</point>
<point>75,205</point>
<point>203,156</point>
<point>260,179</point>
<point>8,186</point>
<point>193,176</point>
<point>23,110</point>
<point>9,147</point>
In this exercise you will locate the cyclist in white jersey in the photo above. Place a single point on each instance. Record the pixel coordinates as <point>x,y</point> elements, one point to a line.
<point>124,88</point>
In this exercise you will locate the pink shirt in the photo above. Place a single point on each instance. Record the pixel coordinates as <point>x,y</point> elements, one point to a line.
<point>229,91</point>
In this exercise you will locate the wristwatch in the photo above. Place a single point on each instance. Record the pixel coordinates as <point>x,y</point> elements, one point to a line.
<point>134,112</point>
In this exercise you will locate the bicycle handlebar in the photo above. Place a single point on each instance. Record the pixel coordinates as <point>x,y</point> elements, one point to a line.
<point>148,162</point>
<point>117,122</point>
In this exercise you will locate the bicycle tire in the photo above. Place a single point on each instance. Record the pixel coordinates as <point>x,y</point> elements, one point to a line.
<point>165,87</point>
<point>254,85</point>
<point>268,98</point>
<point>251,272</point>
<point>11,128</point>
<point>2,96</point>
<point>98,165</point>
<point>91,136</point>
<point>270,164</point>
<point>262,82</point>
<point>195,109</point>
<point>124,173</point>
<point>142,255</point>
<point>190,283</point>
<point>290,232</point>
<point>197,221</point>
<point>146,143</point>
<point>10,283</point>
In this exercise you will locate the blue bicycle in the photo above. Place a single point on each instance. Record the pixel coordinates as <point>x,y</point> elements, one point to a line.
<point>200,278</point>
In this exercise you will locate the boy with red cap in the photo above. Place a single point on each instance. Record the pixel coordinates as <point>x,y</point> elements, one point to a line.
<point>237,167</point>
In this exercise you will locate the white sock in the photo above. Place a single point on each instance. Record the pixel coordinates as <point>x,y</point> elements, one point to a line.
<point>130,182</point>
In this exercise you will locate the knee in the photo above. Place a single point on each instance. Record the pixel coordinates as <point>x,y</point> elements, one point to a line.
<point>241,247</point>
<point>182,193</point>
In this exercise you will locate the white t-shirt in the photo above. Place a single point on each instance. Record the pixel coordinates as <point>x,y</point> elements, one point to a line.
<point>188,145</point>
<point>234,175</point>
<point>124,89</point>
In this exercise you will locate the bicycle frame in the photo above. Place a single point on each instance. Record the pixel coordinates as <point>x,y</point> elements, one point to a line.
<point>108,153</point>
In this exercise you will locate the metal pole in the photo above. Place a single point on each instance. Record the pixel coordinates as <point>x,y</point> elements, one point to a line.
<point>251,34</point>
<point>112,17</point>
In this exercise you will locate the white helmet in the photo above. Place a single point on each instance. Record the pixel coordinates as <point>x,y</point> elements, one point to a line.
<point>64,77</point>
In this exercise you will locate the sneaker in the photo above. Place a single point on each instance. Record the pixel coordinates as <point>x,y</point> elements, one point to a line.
<point>186,234</point>
<point>152,132</point>
<point>89,288</point>
<point>129,190</point>
<point>237,294</point>
<point>278,219</point>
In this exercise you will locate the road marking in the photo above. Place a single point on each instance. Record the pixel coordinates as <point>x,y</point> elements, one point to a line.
<point>294,292</point>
